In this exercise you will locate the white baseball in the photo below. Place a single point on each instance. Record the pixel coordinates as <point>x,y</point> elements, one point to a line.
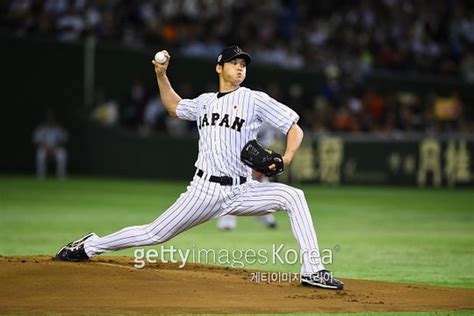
<point>160,58</point>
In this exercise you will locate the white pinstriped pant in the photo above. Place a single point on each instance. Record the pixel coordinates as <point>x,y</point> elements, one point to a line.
<point>205,200</point>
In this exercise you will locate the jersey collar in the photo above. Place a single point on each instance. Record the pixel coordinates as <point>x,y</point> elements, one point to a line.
<point>221,94</point>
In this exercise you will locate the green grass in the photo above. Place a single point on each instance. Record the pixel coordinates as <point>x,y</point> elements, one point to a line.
<point>381,314</point>
<point>406,235</point>
<point>300,314</point>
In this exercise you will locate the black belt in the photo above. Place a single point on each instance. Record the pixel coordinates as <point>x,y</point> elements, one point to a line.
<point>221,180</point>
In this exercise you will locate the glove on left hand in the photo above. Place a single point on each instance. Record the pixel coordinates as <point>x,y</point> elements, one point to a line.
<point>260,159</point>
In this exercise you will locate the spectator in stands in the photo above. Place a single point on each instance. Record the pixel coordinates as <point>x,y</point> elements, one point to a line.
<point>70,25</point>
<point>356,36</point>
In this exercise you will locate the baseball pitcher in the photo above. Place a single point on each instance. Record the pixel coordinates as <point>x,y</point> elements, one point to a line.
<point>227,121</point>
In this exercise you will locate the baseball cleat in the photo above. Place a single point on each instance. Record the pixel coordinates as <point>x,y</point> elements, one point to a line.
<point>273,225</point>
<point>269,221</point>
<point>226,228</point>
<point>74,251</point>
<point>322,279</point>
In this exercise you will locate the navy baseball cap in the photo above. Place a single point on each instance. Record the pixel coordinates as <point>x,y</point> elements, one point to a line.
<point>232,52</point>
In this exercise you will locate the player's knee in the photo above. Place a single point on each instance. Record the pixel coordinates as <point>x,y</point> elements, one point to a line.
<point>291,198</point>
<point>296,198</point>
<point>301,195</point>
<point>155,237</point>
<point>297,193</point>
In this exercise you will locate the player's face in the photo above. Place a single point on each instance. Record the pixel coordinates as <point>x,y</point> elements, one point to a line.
<point>235,71</point>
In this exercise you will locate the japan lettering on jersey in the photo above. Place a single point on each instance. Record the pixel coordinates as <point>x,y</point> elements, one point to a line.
<point>228,122</point>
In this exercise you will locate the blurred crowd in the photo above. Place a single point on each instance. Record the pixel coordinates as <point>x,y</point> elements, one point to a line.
<point>357,36</point>
<point>343,39</point>
<point>333,108</point>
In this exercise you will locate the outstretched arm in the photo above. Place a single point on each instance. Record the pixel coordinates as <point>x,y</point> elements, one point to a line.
<point>169,97</point>
<point>294,137</point>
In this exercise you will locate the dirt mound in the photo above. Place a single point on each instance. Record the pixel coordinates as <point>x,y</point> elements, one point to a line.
<point>112,284</point>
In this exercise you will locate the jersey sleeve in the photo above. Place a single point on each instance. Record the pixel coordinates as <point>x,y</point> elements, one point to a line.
<point>187,109</point>
<point>275,113</point>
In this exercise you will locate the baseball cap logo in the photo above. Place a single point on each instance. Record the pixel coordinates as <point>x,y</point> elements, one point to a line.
<point>232,52</point>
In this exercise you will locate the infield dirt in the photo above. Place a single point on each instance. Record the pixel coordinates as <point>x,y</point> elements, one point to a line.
<point>113,285</point>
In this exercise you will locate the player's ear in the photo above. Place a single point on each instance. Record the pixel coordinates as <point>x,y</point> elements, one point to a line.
<point>219,68</point>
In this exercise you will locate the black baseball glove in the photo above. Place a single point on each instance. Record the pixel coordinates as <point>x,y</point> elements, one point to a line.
<point>260,159</point>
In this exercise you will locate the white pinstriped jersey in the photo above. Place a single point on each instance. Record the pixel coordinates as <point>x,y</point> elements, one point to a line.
<point>228,122</point>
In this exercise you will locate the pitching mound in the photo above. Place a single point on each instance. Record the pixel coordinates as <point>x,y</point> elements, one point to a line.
<point>112,284</point>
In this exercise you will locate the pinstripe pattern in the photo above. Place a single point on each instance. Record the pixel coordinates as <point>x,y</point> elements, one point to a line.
<point>258,198</point>
<point>219,146</point>
<point>198,204</point>
<point>225,124</point>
